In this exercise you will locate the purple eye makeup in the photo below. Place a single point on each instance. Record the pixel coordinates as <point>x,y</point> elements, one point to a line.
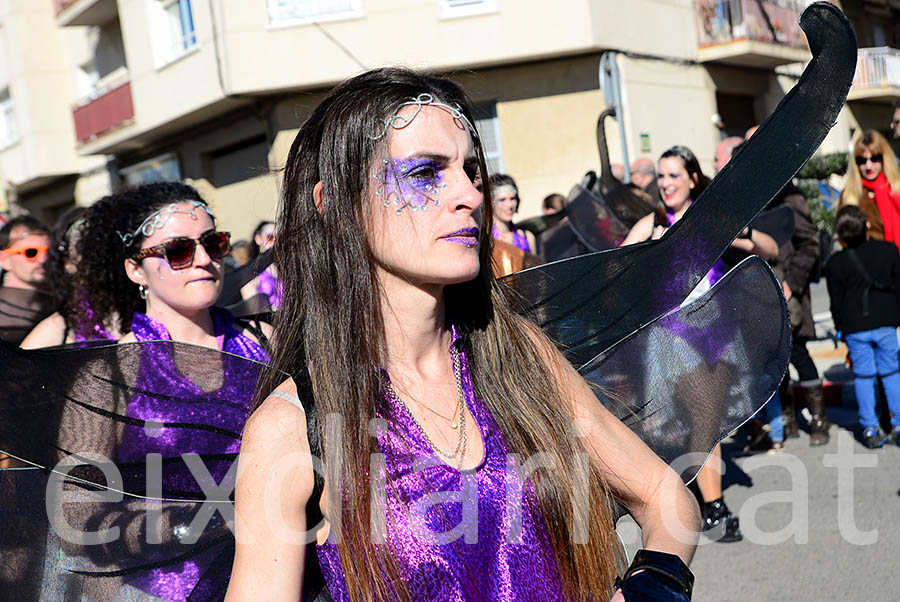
<point>411,183</point>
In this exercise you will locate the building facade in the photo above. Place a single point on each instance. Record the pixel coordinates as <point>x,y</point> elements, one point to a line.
<point>95,94</point>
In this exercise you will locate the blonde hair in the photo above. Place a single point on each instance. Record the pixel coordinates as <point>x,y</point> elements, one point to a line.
<point>874,143</point>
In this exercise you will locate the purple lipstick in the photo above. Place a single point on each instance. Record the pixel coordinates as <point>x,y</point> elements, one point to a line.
<point>467,237</point>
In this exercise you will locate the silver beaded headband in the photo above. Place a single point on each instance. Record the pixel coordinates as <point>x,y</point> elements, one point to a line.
<point>158,219</point>
<point>398,121</point>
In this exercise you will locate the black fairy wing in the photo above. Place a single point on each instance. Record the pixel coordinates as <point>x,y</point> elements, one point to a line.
<point>589,225</point>
<point>133,450</point>
<point>687,379</point>
<point>588,303</point>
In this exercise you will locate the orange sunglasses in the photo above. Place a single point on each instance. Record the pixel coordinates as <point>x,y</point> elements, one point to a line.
<point>30,253</point>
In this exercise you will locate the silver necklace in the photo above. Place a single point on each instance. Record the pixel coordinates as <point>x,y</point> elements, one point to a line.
<point>459,451</point>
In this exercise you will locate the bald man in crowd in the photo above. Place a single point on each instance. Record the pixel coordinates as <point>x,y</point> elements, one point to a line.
<point>724,151</point>
<point>643,175</point>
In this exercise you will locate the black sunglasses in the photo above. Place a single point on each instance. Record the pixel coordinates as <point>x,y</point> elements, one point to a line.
<point>179,252</point>
<point>874,158</point>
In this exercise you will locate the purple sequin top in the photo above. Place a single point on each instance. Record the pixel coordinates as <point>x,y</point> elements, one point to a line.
<point>175,398</point>
<point>492,565</point>
<point>96,330</point>
<point>519,238</point>
<point>270,286</point>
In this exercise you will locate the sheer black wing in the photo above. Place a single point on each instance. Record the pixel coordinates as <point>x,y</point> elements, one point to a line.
<point>135,441</point>
<point>687,379</point>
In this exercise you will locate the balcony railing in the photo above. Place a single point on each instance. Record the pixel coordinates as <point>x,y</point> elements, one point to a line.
<point>772,21</point>
<point>877,68</point>
<point>104,113</point>
<point>84,12</point>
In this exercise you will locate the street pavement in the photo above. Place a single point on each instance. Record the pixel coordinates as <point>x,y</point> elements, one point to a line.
<point>812,531</point>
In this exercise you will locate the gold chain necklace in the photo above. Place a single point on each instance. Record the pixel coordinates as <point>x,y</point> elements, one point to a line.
<point>454,424</point>
<point>459,451</point>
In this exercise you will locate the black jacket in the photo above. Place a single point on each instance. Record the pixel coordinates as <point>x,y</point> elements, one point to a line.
<point>797,257</point>
<point>846,285</point>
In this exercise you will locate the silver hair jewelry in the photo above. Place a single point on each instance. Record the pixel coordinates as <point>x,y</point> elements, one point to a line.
<point>158,219</point>
<point>398,121</point>
<point>142,291</point>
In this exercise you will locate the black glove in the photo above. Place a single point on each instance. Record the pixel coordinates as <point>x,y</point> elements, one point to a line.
<point>656,577</point>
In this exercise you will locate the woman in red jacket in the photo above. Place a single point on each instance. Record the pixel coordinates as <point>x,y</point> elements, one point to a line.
<point>874,186</point>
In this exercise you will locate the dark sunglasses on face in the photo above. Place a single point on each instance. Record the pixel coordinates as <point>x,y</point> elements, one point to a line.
<point>874,159</point>
<point>30,253</point>
<point>179,252</point>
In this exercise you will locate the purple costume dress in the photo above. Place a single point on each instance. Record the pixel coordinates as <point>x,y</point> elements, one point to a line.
<point>158,374</point>
<point>519,239</point>
<point>492,567</point>
<point>270,286</point>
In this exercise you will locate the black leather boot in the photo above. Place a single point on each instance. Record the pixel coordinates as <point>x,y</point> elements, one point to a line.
<point>818,422</point>
<point>719,519</point>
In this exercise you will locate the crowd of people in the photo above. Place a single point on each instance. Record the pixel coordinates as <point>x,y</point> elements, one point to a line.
<point>383,302</point>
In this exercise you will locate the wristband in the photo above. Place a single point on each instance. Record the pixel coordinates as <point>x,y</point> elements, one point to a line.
<point>656,576</point>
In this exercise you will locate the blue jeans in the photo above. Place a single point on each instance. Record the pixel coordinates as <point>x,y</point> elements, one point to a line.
<point>874,352</point>
<point>773,417</point>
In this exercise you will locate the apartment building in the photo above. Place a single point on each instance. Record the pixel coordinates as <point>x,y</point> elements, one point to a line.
<point>877,83</point>
<point>96,93</point>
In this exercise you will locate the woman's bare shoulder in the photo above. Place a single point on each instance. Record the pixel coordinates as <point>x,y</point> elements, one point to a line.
<point>278,425</point>
<point>46,333</point>
<point>641,231</point>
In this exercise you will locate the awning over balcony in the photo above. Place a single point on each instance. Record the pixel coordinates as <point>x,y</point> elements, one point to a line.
<point>103,114</point>
<point>750,33</point>
<point>877,75</point>
<point>84,12</point>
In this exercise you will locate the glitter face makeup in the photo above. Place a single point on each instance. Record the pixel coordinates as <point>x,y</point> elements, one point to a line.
<point>412,183</point>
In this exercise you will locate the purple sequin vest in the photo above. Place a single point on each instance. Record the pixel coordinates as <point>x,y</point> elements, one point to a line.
<point>168,402</point>
<point>519,238</point>
<point>478,559</point>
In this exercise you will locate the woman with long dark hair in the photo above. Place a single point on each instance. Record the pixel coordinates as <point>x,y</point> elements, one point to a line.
<point>873,185</point>
<point>391,313</point>
<point>74,321</point>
